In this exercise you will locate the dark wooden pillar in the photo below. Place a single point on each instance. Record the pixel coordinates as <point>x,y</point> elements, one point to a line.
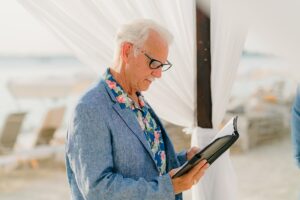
<point>204,103</point>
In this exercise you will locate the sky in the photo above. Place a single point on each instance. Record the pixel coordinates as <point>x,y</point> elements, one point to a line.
<point>22,33</point>
<point>274,27</point>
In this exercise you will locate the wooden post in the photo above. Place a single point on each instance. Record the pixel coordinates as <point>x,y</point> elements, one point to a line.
<point>204,103</point>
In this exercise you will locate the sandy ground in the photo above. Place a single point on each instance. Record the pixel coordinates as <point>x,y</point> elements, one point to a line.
<point>267,172</point>
<point>44,183</point>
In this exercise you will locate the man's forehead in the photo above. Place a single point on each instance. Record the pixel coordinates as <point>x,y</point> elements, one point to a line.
<point>155,43</point>
<point>155,37</point>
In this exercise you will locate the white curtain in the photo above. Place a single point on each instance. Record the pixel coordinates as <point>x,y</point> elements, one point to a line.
<point>227,39</point>
<point>88,28</point>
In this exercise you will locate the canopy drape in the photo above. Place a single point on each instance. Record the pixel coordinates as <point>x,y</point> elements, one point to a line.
<point>227,40</point>
<point>88,28</point>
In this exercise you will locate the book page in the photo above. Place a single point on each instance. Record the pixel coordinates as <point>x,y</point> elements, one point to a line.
<point>228,129</point>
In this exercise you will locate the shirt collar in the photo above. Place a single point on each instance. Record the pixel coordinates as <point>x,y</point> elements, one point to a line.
<point>121,96</point>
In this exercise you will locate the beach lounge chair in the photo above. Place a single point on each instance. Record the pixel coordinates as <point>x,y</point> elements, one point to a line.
<point>10,131</point>
<point>51,123</point>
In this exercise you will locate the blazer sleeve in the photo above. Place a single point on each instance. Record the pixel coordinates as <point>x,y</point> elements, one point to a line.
<point>295,126</point>
<point>89,151</point>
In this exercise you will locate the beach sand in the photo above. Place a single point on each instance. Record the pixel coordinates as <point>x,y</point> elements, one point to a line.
<point>266,172</point>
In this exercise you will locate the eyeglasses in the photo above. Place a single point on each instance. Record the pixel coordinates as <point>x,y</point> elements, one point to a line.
<point>155,64</point>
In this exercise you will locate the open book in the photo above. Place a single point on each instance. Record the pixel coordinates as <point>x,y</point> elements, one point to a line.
<point>221,142</point>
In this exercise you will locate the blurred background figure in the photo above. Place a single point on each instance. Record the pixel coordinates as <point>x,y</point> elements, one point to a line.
<point>295,122</point>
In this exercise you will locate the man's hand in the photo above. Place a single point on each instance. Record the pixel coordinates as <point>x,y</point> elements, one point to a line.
<point>191,152</point>
<point>186,181</point>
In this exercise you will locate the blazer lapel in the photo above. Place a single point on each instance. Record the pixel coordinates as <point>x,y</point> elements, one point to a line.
<point>131,121</point>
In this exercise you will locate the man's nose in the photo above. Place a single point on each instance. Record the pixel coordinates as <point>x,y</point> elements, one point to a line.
<point>157,72</point>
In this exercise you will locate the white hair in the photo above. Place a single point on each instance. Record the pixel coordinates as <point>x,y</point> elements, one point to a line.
<point>137,33</point>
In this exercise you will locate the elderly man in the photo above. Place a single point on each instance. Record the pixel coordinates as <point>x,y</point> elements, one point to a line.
<point>296,126</point>
<point>117,148</point>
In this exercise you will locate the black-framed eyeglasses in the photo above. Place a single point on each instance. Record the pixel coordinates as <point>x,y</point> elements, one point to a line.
<point>155,64</point>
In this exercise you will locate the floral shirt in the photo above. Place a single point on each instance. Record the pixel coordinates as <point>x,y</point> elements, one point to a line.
<point>152,130</point>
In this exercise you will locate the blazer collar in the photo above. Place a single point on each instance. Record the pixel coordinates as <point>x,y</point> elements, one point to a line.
<point>111,95</point>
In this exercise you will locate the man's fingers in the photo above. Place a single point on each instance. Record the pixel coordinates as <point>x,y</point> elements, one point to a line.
<point>195,149</point>
<point>195,169</point>
<point>173,171</point>
<point>200,172</point>
<point>192,151</point>
<point>189,179</point>
<point>195,172</point>
<point>199,165</point>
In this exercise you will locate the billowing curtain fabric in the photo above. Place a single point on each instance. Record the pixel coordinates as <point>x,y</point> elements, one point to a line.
<point>88,28</point>
<point>227,39</point>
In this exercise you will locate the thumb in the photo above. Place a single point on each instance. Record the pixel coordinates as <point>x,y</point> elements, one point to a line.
<point>195,149</point>
<point>173,171</point>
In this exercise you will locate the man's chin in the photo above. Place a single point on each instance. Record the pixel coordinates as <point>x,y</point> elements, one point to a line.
<point>145,87</point>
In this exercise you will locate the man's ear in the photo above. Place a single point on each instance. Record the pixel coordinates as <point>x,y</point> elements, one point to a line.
<point>126,51</point>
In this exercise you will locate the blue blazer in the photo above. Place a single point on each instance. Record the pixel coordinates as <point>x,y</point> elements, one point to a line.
<point>295,122</point>
<point>107,154</point>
